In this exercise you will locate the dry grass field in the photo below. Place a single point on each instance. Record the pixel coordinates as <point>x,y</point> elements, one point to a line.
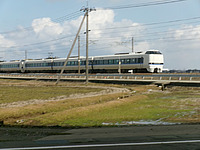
<point>72,104</point>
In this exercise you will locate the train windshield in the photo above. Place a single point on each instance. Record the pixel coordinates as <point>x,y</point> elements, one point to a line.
<point>153,52</point>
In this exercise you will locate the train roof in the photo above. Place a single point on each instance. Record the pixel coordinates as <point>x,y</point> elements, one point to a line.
<point>151,51</point>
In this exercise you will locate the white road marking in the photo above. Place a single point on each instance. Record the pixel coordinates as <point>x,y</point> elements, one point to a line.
<point>105,145</point>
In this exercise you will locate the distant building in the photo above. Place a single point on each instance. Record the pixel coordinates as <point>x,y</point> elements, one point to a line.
<point>193,71</point>
<point>165,70</point>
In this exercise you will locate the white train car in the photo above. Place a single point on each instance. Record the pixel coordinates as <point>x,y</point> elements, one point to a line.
<point>149,61</point>
<point>13,66</point>
<point>154,61</point>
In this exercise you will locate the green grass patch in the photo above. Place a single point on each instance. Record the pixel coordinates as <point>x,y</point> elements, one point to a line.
<point>142,109</point>
<point>175,105</point>
<point>10,94</point>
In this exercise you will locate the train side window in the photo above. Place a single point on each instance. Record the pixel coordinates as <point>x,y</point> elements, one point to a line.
<point>100,62</point>
<point>123,61</point>
<point>60,63</point>
<point>72,63</point>
<point>105,62</point>
<point>111,61</point>
<point>94,62</point>
<point>138,60</point>
<point>83,63</point>
<point>142,60</point>
<point>90,62</point>
<point>133,60</point>
<point>127,61</point>
<point>116,61</point>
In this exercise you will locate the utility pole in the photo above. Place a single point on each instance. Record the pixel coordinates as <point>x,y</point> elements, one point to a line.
<point>86,71</point>
<point>79,68</point>
<point>59,76</point>
<point>132,45</point>
<point>25,54</point>
<point>87,10</point>
<point>119,69</point>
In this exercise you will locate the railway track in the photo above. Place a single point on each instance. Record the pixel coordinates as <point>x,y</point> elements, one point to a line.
<point>158,79</point>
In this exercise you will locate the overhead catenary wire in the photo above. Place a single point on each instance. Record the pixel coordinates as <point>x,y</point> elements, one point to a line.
<point>157,2</point>
<point>154,3</point>
<point>70,36</point>
<point>152,24</point>
<point>57,20</point>
<point>55,42</point>
<point>77,13</point>
<point>106,32</point>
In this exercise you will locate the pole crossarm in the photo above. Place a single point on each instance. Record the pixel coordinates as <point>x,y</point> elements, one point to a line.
<point>86,9</point>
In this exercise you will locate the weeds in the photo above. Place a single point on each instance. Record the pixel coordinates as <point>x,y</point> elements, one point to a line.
<point>141,103</point>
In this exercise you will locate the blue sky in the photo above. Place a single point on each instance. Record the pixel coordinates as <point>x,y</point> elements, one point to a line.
<point>22,12</point>
<point>177,40</point>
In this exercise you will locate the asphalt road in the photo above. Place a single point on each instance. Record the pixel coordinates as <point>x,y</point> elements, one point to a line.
<point>173,137</point>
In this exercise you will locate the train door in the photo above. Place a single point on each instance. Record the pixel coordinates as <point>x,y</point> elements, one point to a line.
<point>141,64</point>
<point>22,66</point>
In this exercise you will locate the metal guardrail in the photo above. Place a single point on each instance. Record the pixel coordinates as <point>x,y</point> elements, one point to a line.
<point>169,77</point>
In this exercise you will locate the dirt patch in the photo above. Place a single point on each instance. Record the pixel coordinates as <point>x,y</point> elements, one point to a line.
<point>106,90</point>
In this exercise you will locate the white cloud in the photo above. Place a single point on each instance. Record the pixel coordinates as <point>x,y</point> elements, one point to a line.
<point>6,42</point>
<point>44,27</point>
<point>181,50</point>
<point>188,31</point>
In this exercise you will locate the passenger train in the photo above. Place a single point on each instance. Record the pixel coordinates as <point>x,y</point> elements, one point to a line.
<point>148,61</point>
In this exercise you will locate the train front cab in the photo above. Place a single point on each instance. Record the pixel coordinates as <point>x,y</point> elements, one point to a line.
<point>154,61</point>
<point>22,66</point>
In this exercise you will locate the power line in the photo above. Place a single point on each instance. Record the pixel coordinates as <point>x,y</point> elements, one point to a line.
<point>145,4</point>
<point>38,43</point>
<point>144,34</point>
<point>57,20</point>
<point>111,38</point>
<point>125,27</point>
<point>151,24</point>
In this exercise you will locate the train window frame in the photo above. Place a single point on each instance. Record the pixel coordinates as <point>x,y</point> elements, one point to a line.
<point>153,52</point>
<point>94,62</point>
<point>122,61</point>
<point>100,62</point>
<point>133,61</point>
<point>83,62</point>
<point>116,61</point>
<point>111,61</point>
<point>72,63</point>
<point>68,63</point>
<point>127,61</point>
<point>106,62</point>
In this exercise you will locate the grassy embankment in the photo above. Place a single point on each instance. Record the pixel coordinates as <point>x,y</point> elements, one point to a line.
<point>147,103</point>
